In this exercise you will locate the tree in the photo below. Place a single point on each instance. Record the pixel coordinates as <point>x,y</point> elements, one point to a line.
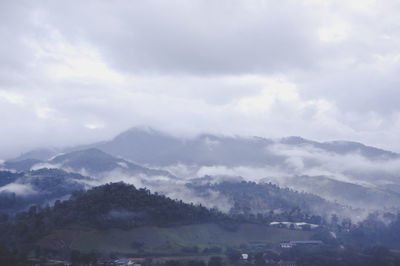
<point>173,263</point>
<point>215,261</point>
<point>306,227</point>
<point>334,220</point>
<point>7,257</point>
<point>233,254</point>
<point>196,263</point>
<point>259,259</point>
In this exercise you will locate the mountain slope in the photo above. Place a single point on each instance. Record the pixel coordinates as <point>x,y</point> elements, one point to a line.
<point>21,166</point>
<point>95,161</point>
<point>37,154</point>
<point>90,162</point>
<point>345,193</point>
<point>265,198</point>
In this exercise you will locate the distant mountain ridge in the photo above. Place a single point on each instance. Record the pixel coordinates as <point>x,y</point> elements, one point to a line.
<point>342,147</point>
<point>151,146</point>
<point>91,161</point>
<point>336,170</point>
<point>157,148</point>
<point>95,161</point>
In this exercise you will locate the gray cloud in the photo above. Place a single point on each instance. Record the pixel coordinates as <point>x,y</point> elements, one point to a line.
<point>73,72</point>
<point>199,36</point>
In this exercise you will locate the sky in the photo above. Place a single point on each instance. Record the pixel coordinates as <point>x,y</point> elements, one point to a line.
<point>74,72</point>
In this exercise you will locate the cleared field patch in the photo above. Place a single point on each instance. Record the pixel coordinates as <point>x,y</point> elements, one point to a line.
<point>170,240</point>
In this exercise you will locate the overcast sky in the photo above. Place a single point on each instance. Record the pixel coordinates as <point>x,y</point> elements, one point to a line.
<point>81,71</point>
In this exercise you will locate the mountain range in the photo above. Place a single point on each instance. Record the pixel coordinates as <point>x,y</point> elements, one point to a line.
<point>348,173</point>
<point>201,194</point>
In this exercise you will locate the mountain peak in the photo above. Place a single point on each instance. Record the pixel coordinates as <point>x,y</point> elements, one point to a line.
<point>294,140</point>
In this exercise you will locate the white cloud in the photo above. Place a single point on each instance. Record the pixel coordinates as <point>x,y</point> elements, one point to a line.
<point>19,189</point>
<point>11,97</point>
<point>94,125</point>
<point>334,33</point>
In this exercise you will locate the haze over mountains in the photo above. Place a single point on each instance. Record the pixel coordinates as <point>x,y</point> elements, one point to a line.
<point>147,193</point>
<point>348,173</point>
<point>20,190</point>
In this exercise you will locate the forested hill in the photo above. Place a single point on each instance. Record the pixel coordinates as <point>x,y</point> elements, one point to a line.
<point>122,205</point>
<point>114,205</point>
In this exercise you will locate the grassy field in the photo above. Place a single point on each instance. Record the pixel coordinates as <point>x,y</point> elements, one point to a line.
<point>169,240</point>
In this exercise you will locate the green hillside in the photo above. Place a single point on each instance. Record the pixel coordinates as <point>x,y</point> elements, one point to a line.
<point>167,240</point>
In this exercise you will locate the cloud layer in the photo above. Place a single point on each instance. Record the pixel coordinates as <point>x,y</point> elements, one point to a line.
<point>81,71</point>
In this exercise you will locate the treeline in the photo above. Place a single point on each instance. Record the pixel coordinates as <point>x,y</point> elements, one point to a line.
<point>375,229</point>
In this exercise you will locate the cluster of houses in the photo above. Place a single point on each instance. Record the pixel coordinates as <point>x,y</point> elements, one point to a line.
<point>131,262</point>
<point>295,226</point>
<point>290,244</point>
<point>245,257</point>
